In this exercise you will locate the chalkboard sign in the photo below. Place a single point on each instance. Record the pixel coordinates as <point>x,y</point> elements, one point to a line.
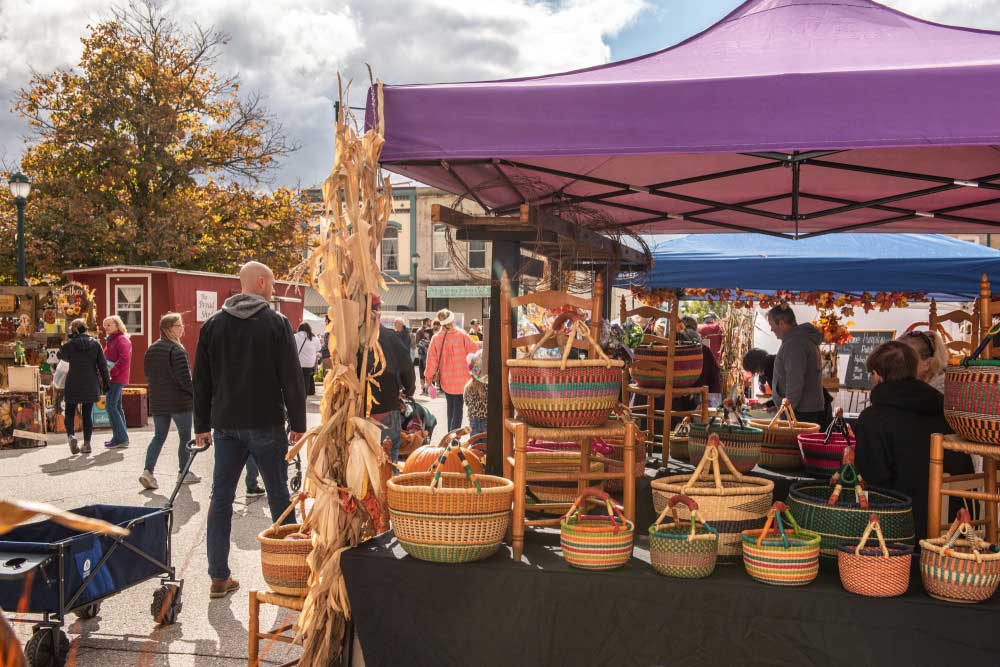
<point>862,344</point>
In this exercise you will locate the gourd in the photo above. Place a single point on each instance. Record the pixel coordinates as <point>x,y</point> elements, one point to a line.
<point>424,457</point>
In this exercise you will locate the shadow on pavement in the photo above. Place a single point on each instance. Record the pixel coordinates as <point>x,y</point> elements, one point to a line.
<point>80,462</point>
<point>185,506</point>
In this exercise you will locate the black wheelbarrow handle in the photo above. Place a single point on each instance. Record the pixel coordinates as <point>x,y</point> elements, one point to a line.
<point>193,451</point>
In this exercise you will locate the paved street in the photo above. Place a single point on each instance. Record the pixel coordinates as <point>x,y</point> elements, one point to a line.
<point>209,633</point>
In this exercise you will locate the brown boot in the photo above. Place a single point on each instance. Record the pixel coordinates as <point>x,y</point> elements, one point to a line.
<point>223,587</point>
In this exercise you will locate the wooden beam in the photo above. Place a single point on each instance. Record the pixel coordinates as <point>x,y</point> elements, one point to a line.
<point>480,234</point>
<point>456,218</point>
<point>583,236</point>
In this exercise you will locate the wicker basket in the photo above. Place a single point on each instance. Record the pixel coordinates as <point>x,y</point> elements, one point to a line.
<point>972,400</point>
<point>774,555</point>
<point>540,461</point>
<point>822,453</point>
<point>732,503</point>
<point>567,393</point>
<point>780,448</point>
<point>960,567</point>
<point>882,572</point>
<point>596,542</point>
<point>282,560</point>
<point>679,440</point>
<point>687,365</point>
<point>617,459</point>
<point>742,443</point>
<point>839,511</point>
<point>683,548</point>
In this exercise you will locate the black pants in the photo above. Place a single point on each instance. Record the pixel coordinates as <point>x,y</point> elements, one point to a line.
<point>307,377</point>
<point>88,419</point>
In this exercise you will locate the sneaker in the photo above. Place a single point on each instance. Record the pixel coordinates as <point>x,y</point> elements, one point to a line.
<point>148,481</point>
<point>223,587</point>
<point>73,447</point>
<point>86,447</point>
<point>111,444</point>
<point>256,491</point>
<point>191,478</point>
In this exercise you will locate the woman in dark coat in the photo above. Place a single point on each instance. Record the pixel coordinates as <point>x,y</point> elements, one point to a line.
<point>86,380</point>
<point>894,431</point>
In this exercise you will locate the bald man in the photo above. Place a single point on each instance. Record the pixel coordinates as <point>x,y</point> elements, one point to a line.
<point>246,379</point>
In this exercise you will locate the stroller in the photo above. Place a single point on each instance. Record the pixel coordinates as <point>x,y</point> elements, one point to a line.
<point>417,425</point>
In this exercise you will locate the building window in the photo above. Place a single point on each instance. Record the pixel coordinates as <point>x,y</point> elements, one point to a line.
<point>477,254</point>
<point>390,249</point>
<point>128,306</point>
<point>439,247</point>
<point>435,304</point>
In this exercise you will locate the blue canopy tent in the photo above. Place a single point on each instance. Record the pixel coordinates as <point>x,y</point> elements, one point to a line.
<point>947,269</point>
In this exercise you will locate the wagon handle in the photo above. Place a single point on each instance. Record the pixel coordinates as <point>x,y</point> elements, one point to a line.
<point>785,409</point>
<point>873,524</point>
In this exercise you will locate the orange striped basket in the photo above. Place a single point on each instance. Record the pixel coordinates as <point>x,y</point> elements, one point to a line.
<point>283,553</point>
<point>776,556</point>
<point>960,567</point>
<point>596,542</point>
<point>881,572</point>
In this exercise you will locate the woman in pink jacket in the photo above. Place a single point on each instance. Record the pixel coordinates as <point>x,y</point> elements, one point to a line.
<point>447,366</point>
<point>118,352</point>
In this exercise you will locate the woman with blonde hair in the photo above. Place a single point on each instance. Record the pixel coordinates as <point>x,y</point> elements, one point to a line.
<point>932,355</point>
<point>86,380</point>
<point>171,396</point>
<point>118,352</point>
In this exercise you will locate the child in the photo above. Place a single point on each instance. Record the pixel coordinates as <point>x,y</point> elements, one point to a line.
<point>475,393</point>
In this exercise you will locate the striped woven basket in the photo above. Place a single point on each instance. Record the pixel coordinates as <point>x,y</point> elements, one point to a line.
<point>556,462</point>
<point>822,453</point>
<point>778,556</point>
<point>283,553</point>
<point>742,443</point>
<point>840,511</point>
<point>972,400</point>
<point>881,572</point>
<point>960,567</point>
<point>596,542</point>
<point>679,440</point>
<point>683,548</point>
<point>617,460</point>
<point>732,502</point>
<point>780,447</point>
<point>687,365</point>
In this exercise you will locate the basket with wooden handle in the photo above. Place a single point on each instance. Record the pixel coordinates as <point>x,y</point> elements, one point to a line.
<point>592,541</point>
<point>683,548</point>
<point>960,567</point>
<point>742,443</point>
<point>284,550</point>
<point>822,452</point>
<point>679,440</point>
<point>780,447</point>
<point>972,395</point>
<point>780,554</point>
<point>879,572</point>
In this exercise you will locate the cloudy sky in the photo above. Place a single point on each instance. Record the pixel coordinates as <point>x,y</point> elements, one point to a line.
<point>291,50</point>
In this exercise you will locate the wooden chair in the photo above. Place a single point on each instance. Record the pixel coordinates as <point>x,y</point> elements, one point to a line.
<point>278,634</point>
<point>516,434</point>
<point>667,392</point>
<point>956,348</point>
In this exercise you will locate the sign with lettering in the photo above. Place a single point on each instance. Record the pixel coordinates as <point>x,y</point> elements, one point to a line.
<point>206,303</point>
<point>862,344</point>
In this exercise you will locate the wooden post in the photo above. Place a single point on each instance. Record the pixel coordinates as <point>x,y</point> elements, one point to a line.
<point>990,472</point>
<point>628,484</point>
<point>506,255</point>
<point>985,316</point>
<point>254,630</point>
<point>505,336</point>
<point>520,488</point>
<point>934,486</point>
<point>668,392</point>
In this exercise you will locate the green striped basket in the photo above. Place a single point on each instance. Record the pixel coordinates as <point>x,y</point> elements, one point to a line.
<point>596,542</point>
<point>683,548</point>
<point>960,567</point>
<point>742,443</point>
<point>778,556</point>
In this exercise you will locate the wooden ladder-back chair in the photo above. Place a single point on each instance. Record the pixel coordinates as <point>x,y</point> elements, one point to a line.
<point>956,348</point>
<point>668,391</point>
<point>517,434</point>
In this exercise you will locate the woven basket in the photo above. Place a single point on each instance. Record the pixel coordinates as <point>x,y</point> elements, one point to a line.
<point>822,453</point>
<point>679,440</point>
<point>839,511</point>
<point>960,567</point>
<point>687,365</point>
<point>881,572</point>
<point>450,517</point>
<point>683,548</point>
<point>617,455</point>
<point>742,443</point>
<point>592,542</point>
<point>556,462</point>
<point>776,556</point>
<point>732,503</point>
<point>780,447</point>
<point>283,561</point>
<point>972,400</point>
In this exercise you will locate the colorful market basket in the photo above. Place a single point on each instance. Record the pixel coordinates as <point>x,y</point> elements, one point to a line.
<point>596,542</point>
<point>742,443</point>
<point>780,447</point>
<point>679,440</point>
<point>571,393</point>
<point>960,567</point>
<point>683,548</point>
<point>450,517</point>
<point>778,556</point>
<point>839,511</point>
<point>687,365</point>
<point>881,572</point>
<point>972,399</point>
<point>284,550</point>
<point>822,453</point>
<point>732,502</point>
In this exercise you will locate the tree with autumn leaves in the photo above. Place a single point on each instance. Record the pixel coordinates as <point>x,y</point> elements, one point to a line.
<point>146,152</point>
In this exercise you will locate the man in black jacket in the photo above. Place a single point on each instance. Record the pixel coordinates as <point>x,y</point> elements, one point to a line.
<point>397,375</point>
<point>246,378</point>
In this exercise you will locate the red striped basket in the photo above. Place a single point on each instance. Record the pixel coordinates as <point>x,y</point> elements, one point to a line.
<point>960,567</point>
<point>596,542</point>
<point>972,399</point>
<point>687,365</point>
<point>822,453</point>
<point>776,556</point>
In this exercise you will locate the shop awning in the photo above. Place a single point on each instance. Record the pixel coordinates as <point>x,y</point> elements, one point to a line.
<point>458,291</point>
<point>396,295</point>
<point>787,116</point>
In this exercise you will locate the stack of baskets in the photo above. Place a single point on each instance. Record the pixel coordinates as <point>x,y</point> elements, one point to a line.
<point>679,440</point>
<point>450,517</point>
<point>774,555</point>
<point>972,397</point>
<point>284,550</point>
<point>780,448</point>
<point>594,542</point>
<point>742,443</point>
<point>731,502</point>
<point>687,365</point>
<point>839,511</point>
<point>569,393</point>
<point>823,452</point>
<point>960,567</point>
<point>874,572</point>
<point>683,548</point>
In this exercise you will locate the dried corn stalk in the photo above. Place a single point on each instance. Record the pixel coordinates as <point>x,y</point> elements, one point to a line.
<point>344,453</point>
<point>737,339</point>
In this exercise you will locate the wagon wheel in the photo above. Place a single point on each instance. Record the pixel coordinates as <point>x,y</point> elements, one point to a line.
<point>48,647</point>
<point>88,612</point>
<point>167,604</point>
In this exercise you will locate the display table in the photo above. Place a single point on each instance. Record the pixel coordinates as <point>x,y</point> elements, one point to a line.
<point>543,612</point>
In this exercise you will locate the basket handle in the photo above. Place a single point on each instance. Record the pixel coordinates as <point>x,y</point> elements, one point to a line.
<point>714,451</point>
<point>297,499</point>
<point>693,521</point>
<point>454,446</point>
<point>873,524</point>
<point>683,429</point>
<point>962,527</point>
<point>785,409</point>
<point>839,425</point>
<point>995,329</point>
<point>774,517</point>
<point>848,475</point>
<point>613,510</point>
<point>578,330</point>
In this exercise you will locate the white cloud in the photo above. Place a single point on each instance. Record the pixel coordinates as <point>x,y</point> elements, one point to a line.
<point>971,13</point>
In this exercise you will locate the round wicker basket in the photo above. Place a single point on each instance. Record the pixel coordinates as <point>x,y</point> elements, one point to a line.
<point>283,561</point>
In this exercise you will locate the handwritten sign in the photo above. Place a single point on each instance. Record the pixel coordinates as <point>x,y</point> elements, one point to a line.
<point>862,344</point>
<point>206,303</point>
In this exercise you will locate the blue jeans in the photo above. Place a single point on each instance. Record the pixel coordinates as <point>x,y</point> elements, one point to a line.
<point>392,425</point>
<point>268,446</point>
<point>253,474</point>
<point>456,403</point>
<point>119,433</point>
<point>477,425</point>
<point>161,427</point>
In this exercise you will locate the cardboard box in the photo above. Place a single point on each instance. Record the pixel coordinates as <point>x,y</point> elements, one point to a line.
<point>23,379</point>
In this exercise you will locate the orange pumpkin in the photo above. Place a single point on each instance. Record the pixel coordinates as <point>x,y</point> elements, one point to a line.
<point>424,457</point>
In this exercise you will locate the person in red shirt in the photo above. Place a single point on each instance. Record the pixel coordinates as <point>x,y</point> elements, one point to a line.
<point>118,352</point>
<point>711,332</point>
<point>447,366</point>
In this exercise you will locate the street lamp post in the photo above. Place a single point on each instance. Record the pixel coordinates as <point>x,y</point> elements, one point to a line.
<point>414,261</point>
<point>20,188</point>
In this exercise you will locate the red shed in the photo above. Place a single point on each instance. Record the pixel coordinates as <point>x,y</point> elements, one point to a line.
<point>140,295</point>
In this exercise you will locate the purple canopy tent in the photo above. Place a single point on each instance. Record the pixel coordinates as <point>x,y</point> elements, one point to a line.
<point>786,117</point>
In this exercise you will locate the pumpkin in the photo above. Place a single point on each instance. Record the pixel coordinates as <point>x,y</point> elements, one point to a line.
<point>424,457</point>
